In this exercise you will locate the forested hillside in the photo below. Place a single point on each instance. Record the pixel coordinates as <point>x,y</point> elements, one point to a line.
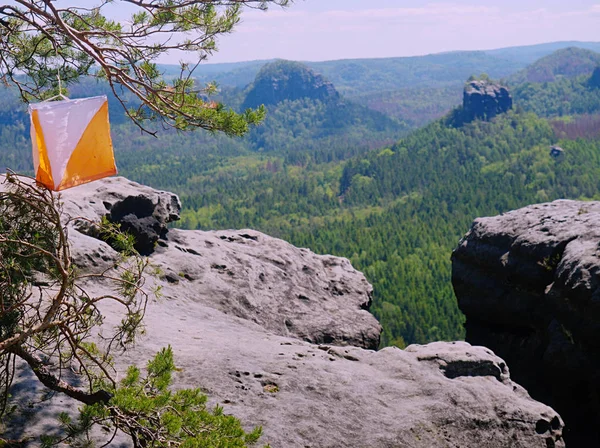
<point>324,127</point>
<point>398,212</point>
<point>557,84</point>
<point>328,173</point>
<point>415,106</point>
<point>565,63</point>
<point>359,76</point>
<point>415,90</point>
<point>563,96</point>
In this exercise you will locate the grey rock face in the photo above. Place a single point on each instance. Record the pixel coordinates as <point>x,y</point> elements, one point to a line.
<point>287,290</point>
<point>485,100</point>
<point>311,395</point>
<point>281,337</point>
<point>529,283</point>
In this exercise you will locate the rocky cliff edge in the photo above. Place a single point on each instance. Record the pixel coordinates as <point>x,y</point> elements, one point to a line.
<point>281,337</point>
<point>528,282</point>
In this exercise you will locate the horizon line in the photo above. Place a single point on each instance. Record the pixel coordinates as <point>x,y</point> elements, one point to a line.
<point>392,57</point>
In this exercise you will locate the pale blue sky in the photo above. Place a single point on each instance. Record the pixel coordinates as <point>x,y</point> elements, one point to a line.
<point>337,29</point>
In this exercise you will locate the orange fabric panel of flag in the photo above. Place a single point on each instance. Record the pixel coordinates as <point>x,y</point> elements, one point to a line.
<point>71,142</point>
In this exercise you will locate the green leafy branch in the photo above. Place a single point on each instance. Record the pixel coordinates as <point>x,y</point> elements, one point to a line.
<point>42,43</point>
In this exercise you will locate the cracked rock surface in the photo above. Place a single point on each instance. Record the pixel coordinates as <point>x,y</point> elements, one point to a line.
<point>282,338</point>
<point>529,283</point>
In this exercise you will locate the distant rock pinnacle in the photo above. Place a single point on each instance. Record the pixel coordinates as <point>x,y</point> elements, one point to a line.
<point>286,80</point>
<point>484,100</point>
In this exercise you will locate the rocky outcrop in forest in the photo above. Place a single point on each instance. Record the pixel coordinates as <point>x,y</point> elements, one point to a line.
<point>484,99</point>
<point>528,282</point>
<point>282,337</point>
<point>594,81</point>
<point>288,80</point>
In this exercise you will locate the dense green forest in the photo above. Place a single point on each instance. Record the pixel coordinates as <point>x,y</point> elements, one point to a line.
<point>568,62</point>
<point>398,212</point>
<point>328,173</point>
<point>564,96</point>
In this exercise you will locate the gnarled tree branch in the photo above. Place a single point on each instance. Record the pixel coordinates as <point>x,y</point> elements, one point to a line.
<point>56,384</point>
<point>44,41</point>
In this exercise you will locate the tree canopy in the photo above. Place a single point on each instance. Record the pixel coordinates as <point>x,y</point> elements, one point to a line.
<point>44,44</point>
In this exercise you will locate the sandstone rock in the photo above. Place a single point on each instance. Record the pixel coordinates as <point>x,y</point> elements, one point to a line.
<point>307,395</point>
<point>529,283</point>
<point>141,211</point>
<point>485,100</point>
<point>281,337</point>
<point>287,290</point>
<point>557,152</point>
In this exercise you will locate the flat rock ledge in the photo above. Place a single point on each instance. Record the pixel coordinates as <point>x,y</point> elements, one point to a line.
<point>528,282</point>
<point>282,338</point>
<point>244,273</point>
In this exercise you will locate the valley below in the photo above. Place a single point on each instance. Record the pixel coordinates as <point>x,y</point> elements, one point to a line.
<point>418,305</point>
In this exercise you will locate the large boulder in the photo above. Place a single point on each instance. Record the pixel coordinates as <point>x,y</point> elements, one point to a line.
<point>484,100</point>
<point>308,395</point>
<point>287,290</point>
<point>528,282</point>
<point>282,338</point>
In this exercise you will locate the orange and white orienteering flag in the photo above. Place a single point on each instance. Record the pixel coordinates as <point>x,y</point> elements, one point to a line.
<point>71,142</point>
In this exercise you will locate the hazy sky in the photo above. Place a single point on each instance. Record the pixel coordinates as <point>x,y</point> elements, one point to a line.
<point>338,29</point>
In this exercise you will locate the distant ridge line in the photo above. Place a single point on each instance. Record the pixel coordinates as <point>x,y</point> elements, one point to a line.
<point>546,46</point>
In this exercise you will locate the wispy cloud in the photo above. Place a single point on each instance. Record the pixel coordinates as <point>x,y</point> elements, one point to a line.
<point>367,20</point>
<point>431,10</point>
<point>548,15</point>
<point>334,29</point>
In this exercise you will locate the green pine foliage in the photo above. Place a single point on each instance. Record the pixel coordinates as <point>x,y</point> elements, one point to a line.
<point>68,43</point>
<point>144,407</point>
